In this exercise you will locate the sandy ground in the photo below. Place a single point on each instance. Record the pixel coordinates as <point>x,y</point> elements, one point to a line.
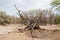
<point>10,32</point>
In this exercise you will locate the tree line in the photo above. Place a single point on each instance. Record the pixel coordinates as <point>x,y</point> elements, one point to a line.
<point>7,19</point>
<point>45,17</point>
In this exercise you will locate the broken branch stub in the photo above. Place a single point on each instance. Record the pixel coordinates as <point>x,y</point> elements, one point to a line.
<point>19,12</point>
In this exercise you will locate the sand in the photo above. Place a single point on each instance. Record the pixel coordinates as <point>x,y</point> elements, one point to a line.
<point>10,32</point>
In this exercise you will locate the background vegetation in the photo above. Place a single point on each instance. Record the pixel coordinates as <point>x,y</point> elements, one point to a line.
<point>46,16</point>
<point>7,19</point>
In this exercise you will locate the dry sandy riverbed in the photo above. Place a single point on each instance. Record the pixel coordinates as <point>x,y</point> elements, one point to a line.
<point>9,33</point>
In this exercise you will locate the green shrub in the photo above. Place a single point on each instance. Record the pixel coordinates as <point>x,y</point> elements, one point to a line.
<point>7,19</point>
<point>58,19</point>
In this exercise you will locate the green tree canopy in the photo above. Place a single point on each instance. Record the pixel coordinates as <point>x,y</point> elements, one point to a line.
<point>55,2</point>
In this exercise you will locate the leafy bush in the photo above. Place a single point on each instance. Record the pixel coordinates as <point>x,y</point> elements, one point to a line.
<point>58,19</point>
<point>7,19</point>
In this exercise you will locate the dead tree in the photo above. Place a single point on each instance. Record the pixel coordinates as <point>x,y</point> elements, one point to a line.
<point>33,22</point>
